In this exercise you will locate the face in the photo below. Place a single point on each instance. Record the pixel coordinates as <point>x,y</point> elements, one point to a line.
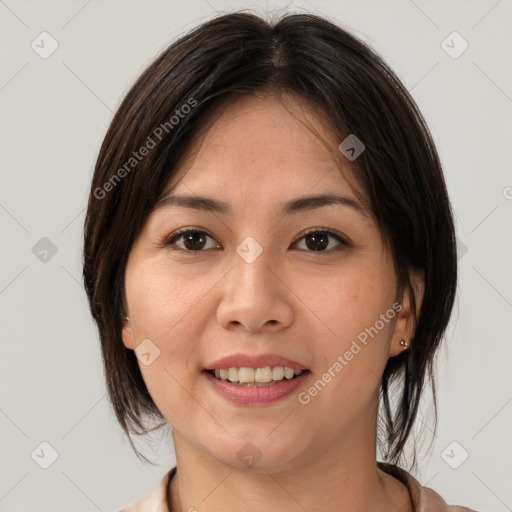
<point>270,281</point>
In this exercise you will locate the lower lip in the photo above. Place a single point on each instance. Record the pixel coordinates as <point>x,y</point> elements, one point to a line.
<point>256,395</point>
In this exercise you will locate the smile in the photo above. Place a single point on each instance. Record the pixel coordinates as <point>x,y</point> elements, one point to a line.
<point>244,376</point>
<point>254,393</point>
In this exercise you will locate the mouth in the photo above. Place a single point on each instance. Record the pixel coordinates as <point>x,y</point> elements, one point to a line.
<point>256,377</point>
<point>256,380</point>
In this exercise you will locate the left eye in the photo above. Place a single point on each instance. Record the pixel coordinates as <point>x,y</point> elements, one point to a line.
<point>318,240</point>
<point>194,240</point>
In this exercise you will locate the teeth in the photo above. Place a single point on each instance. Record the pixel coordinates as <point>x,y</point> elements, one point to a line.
<point>233,374</point>
<point>262,376</point>
<point>289,373</point>
<point>245,374</point>
<point>278,373</point>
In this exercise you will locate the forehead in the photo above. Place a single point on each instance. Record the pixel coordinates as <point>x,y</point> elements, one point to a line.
<point>264,146</point>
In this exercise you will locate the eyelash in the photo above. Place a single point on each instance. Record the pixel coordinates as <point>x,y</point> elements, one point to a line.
<point>170,240</point>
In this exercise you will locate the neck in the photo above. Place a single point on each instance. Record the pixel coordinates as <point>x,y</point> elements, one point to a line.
<point>343,479</point>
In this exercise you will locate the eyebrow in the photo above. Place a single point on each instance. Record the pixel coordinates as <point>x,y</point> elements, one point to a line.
<point>294,206</point>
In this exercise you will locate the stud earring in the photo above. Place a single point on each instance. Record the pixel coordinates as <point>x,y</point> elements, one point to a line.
<point>404,344</point>
<point>126,318</point>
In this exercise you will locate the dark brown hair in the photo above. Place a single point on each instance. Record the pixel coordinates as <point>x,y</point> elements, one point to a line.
<point>328,67</point>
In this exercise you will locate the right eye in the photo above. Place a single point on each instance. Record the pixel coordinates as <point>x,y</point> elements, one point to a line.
<point>193,240</point>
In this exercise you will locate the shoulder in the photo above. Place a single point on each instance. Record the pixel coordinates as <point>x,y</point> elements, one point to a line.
<point>423,498</point>
<point>156,500</point>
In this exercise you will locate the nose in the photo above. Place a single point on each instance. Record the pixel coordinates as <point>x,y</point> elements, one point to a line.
<point>255,296</point>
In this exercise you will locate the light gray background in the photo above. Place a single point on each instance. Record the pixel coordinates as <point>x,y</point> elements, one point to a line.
<point>55,112</point>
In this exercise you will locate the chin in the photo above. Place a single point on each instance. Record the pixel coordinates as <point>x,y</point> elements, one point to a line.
<point>258,453</point>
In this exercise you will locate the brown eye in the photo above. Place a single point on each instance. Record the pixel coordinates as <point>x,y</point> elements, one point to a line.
<point>192,240</point>
<point>319,240</point>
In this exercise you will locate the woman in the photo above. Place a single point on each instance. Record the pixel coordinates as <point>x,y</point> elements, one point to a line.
<point>269,252</point>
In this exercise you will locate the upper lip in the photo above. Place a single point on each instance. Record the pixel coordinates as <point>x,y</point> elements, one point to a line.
<point>244,360</point>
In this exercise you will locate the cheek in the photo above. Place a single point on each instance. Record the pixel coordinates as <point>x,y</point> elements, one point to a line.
<point>355,329</point>
<point>159,299</point>
<point>168,310</point>
<point>355,301</point>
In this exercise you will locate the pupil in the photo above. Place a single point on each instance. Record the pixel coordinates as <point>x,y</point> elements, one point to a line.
<point>320,240</point>
<point>194,240</point>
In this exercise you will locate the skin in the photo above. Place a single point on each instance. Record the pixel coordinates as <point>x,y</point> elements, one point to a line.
<point>303,304</point>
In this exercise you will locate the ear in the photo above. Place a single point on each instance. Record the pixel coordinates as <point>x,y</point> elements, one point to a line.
<point>127,334</point>
<point>405,325</point>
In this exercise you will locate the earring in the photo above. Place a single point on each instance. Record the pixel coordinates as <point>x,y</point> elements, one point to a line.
<point>126,318</point>
<point>404,344</point>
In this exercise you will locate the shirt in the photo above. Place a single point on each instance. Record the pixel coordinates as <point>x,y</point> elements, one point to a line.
<point>423,499</point>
